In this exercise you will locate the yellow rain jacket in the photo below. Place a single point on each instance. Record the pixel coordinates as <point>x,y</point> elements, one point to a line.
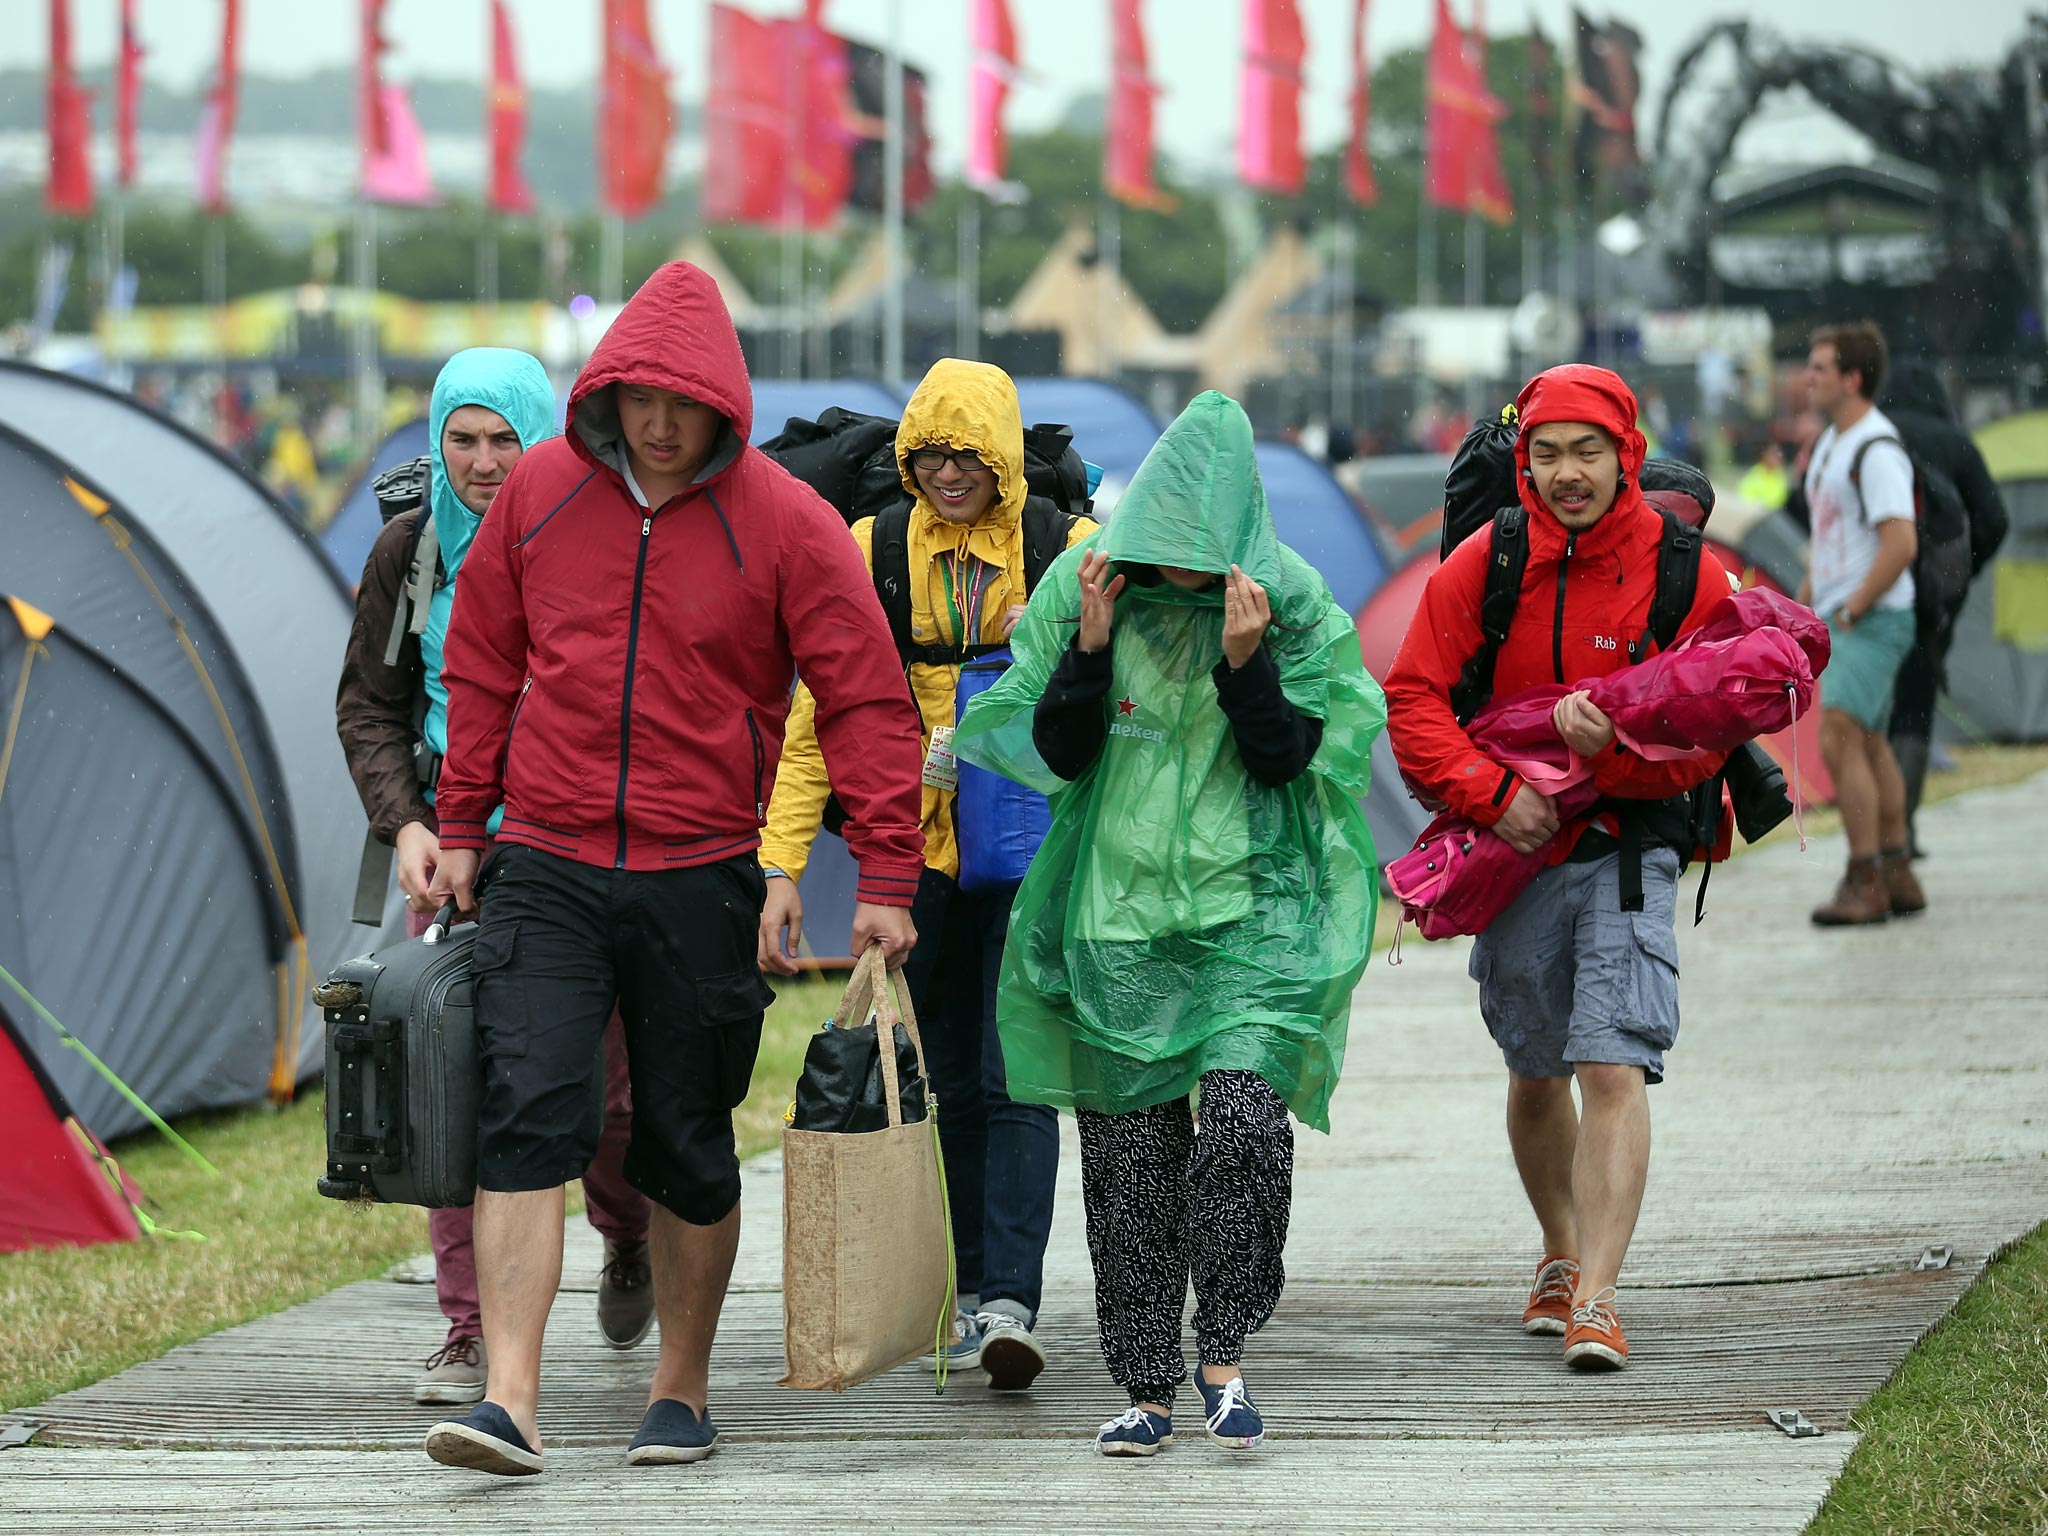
<point>953,568</point>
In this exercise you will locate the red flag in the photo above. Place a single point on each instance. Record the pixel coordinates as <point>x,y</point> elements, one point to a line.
<point>1358,177</point>
<point>217,121</point>
<point>633,117</point>
<point>509,192</point>
<point>779,143</point>
<point>992,45</point>
<point>1463,151</point>
<point>1490,194</point>
<point>127,93</point>
<point>1269,98</point>
<point>68,116</point>
<point>1127,147</point>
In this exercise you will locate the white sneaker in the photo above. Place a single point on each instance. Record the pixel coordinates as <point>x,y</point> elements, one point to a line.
<point>1010,1355</point>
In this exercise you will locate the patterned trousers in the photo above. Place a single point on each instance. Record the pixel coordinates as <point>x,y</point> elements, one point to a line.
<point>1166,1204</point>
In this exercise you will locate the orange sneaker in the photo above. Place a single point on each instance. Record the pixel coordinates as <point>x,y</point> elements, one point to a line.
<point>1595,1342</point>
<point>1550,1298</point>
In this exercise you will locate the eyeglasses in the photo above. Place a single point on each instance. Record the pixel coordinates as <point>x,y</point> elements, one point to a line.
<point>931,459</point>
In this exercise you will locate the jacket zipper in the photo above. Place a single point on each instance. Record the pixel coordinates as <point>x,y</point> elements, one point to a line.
<point>512,725</point>
<point>760,767</point>
<point>626,699</point>
<point>1557,630</point>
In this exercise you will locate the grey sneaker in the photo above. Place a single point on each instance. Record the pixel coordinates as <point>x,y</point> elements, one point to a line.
<point>455,1373</point>
<point>1009,1354</point>
<point>964,1353</point>
<point>625,1294</point>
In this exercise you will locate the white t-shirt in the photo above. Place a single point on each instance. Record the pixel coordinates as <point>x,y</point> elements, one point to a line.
<point>1844,523</point>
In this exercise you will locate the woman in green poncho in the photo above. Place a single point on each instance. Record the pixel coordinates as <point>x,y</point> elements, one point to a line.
<point>1191,698</point>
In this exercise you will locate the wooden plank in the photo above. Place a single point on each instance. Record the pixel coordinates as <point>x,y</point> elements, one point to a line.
<point>1369,1362</point>
<point>1621,1486</point>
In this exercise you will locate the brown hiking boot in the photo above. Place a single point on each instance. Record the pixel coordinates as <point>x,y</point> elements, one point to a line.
<point>1860,898</point>
<point>625,1294</point>
<point>1901,885</point>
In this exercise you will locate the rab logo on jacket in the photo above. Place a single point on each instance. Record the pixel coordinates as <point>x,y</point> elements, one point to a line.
<point>1126,722</point>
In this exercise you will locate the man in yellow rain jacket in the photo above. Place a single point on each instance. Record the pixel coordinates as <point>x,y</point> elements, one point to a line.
<point>971,540</point>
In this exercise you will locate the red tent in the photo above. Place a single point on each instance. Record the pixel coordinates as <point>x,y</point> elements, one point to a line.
<point>1384,620</point>
<point>57,1191</point>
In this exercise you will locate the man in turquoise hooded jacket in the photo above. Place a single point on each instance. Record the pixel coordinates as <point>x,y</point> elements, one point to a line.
<point>489,406</point>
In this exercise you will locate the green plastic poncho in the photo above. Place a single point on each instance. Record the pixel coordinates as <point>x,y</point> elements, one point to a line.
<point>1180,916</point>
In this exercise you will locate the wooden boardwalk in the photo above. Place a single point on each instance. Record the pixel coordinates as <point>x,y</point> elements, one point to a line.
<point>1838,1105</point>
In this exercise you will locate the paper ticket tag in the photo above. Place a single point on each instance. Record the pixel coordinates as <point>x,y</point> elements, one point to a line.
<point>941,768</point>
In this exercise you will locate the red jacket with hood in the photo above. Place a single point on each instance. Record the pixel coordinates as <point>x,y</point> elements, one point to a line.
<point>1585,599</point>
<point>618,677</point>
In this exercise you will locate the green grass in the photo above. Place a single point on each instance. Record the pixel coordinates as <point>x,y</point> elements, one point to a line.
<point>70,1316</point>
<point>1956,1443</point>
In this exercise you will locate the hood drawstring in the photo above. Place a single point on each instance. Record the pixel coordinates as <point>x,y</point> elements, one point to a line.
<point>735,543</point>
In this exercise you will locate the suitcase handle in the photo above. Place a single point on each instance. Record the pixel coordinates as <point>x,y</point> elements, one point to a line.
<point>378,1146</point>
<point>437,930</point>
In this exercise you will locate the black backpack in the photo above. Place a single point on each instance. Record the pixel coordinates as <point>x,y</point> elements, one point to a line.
<point>850,459</point>
<point>1941,564</point>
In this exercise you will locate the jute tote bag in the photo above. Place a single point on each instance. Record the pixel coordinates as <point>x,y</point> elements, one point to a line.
<point>867,1254</point>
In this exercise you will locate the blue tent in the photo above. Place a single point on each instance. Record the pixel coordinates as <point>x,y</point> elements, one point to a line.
<point>353,528</point>
<point>1320,522</point>
<point>1111,427</point>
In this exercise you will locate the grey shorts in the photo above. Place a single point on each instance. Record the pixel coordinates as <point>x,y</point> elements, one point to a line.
<point>1566,976</point>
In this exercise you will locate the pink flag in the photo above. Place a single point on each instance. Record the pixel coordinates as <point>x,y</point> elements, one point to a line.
<point>993,47</point>
<point>217,121</point>
<point>397,173</point>
<point>1269,98</point>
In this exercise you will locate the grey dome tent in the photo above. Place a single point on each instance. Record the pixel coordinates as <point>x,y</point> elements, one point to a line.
<point>71,551</point>
<point>284,612</point>
<point>168,975</point>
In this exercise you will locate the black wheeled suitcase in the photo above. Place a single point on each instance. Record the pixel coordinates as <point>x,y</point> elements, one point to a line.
<point>403,1079</point>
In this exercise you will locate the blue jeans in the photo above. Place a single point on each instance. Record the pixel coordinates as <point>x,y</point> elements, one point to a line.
<point>1001,1157</point>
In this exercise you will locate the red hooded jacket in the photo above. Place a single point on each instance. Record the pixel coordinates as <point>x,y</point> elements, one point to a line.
<point>1585,599</point>
<point>618,677</point>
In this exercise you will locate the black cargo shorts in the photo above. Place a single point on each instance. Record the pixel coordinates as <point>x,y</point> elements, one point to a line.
<point>674,950</point>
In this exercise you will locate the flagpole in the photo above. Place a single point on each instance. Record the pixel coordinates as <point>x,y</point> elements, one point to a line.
<point>487,267</point>
<point>892,207</point>
<point>612,257</point>
<point>1109,264</point>
<point>1475,295</point>
<point>369,378</point>
<point>968,342</point>
<point>1343,338</point>
<point>117,221</point>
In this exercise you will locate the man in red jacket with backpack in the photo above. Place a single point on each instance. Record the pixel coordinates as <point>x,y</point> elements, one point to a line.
<point>1579,978</point>
<point>628,628</point>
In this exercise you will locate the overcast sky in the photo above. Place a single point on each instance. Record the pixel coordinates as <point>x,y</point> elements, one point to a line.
<point>1064,42</point>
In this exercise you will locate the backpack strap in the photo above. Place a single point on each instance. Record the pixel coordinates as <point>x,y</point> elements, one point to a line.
<point>1507,558</point>
<point>422,575</point>
<point>1046,526</point>
<point>1678,582</point>
<point>1856,472</point>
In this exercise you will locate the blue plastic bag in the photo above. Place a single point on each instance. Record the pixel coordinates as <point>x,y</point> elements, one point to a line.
<point>1001,823</point>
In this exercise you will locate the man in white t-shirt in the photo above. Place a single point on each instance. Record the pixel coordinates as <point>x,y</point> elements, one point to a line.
<point>1859,489</point>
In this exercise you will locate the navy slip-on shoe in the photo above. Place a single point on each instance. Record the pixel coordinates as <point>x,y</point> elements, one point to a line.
<point>486,1440</point>
<point>672,1434</point>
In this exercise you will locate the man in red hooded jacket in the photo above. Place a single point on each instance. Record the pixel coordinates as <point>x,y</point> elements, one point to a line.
<point>629,625</point>
<point>1571,984</point>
